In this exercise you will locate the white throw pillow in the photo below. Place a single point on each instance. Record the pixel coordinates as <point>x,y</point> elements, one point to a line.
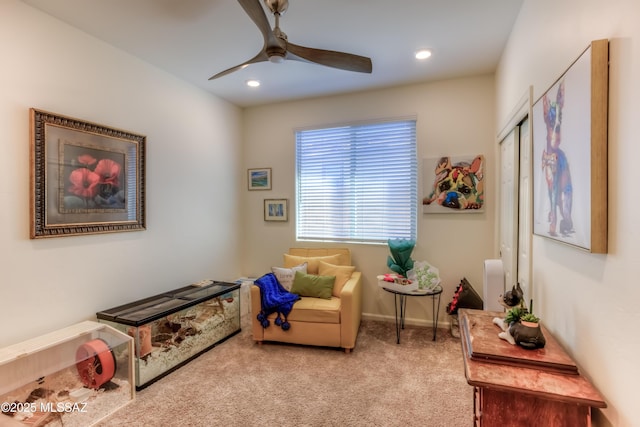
<point>286,275</point>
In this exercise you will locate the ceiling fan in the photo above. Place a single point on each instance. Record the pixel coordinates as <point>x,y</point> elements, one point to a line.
<point>277,48</point>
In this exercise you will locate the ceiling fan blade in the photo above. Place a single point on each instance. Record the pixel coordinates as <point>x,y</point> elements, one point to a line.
<point>261,57</point>
<point>331,58</point>
<point>257,15</point>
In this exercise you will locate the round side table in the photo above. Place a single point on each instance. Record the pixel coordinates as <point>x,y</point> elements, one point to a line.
<point>400,300</point>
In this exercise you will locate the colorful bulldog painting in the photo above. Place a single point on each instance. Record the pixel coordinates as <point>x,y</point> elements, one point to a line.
<point>455,185</point>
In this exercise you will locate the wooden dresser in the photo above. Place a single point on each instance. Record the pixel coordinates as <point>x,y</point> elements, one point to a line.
<point>518,387</point>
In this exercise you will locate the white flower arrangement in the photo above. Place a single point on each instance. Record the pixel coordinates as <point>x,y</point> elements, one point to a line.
<point>427,276</point>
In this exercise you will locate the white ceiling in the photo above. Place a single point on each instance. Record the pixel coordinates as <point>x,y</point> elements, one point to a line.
<point>195,39</point>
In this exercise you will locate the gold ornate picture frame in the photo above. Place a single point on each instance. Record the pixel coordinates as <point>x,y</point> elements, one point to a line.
<point>85,178</point>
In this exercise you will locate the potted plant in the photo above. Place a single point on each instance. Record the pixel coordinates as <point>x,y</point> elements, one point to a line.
<point>525,327</point>
<point>514,315</point>
<point>530,320</point>
<point>400,259</point>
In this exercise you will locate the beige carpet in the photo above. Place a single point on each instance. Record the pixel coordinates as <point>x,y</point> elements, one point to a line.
<point>239,383</point>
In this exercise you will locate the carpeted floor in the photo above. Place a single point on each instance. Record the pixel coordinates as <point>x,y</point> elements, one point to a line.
<point>239,383</point>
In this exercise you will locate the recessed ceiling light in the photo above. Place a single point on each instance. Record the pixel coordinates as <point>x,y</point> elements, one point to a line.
<point>423,54</point>
<point>253,83</point>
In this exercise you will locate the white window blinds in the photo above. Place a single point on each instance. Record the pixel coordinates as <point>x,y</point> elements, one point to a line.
<point>357,183</point>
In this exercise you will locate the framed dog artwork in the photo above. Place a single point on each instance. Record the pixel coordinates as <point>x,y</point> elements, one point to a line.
<point>570,154</point>
<point>453,184</point>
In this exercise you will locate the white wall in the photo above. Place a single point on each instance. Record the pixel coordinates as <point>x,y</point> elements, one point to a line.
<point>193,179</point>
<point>589,302</point>
<point>454,117</point>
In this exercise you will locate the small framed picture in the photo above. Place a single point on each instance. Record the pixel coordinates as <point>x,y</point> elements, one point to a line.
<point>276,209</point>
<point>259,179</point>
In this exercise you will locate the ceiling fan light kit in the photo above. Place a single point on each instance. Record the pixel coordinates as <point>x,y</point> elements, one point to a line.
<point>277,6</point>
<point>277,48</point>
<point>276,57</point>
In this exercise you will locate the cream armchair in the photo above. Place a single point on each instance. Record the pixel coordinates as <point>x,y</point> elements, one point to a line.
<point>316,321</point>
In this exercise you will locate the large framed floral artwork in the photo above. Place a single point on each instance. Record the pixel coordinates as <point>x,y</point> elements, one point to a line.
<point>85,178</point>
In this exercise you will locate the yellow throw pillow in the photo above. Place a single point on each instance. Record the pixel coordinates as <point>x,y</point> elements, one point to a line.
<point>312,262</point>
<point>342,273</point>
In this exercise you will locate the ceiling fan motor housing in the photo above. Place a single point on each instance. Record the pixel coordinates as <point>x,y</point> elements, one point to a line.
<point>277,6</point>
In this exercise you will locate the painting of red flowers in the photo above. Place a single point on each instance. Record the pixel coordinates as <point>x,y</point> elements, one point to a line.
<point>92,179</point>
<point>86,178</point>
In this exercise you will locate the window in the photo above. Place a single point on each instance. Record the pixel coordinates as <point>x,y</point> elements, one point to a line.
<point>357,183</point>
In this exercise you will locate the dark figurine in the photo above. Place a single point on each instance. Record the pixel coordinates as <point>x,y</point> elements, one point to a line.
<point>514,296</point>
<point>529,337</point>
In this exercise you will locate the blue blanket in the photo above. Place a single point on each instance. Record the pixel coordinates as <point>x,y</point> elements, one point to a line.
<point>274,299</point>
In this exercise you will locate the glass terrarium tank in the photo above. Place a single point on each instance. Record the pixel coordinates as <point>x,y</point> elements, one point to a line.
<point>174,327</point>
<point>75,376</point>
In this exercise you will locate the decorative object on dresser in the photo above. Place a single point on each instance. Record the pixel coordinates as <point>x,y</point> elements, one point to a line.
<point>513,297</point>
<point>521,327</point>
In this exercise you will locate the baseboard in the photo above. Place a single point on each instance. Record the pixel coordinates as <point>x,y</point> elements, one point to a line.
<point>442,323</point>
